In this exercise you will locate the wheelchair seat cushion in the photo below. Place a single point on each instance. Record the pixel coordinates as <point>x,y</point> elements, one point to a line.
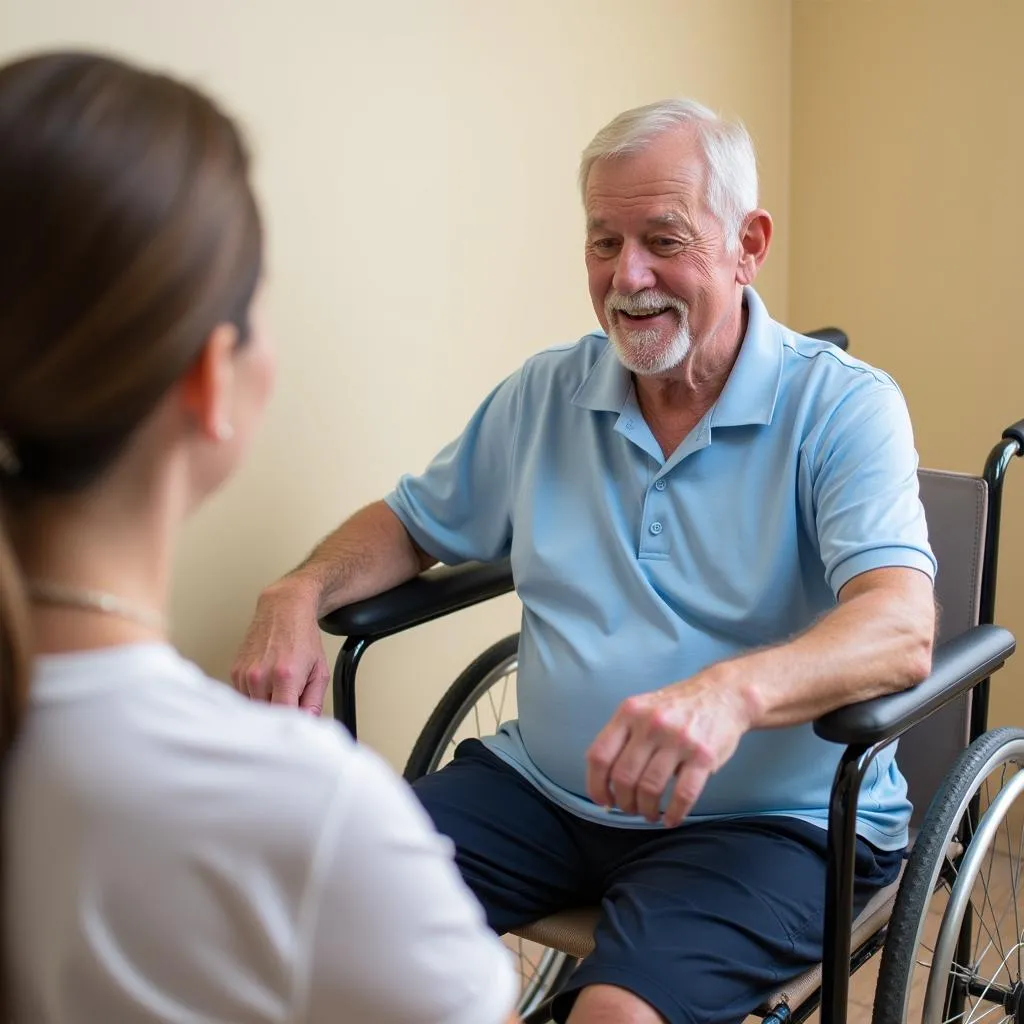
<point>702,922</point>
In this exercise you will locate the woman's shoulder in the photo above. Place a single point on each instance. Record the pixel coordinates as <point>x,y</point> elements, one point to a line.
<point>152,709</point>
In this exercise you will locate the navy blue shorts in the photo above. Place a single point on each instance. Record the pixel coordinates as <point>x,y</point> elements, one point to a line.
<point>702,922</point>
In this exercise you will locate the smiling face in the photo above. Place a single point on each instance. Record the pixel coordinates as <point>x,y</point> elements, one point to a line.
<point>662,278</point>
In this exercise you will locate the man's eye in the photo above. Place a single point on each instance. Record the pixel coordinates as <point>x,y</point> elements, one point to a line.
<point>666,243</point>
<point>605,243</point>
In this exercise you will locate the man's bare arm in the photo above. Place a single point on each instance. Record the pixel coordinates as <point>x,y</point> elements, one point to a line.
<point>877,640</point>
<point>369,553</point>
<point>282,657</point>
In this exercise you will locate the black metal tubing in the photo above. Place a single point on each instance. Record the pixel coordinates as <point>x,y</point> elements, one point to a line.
<point>841,849</point>
<point>345,680</point>
<point>541,1015</point>
<point>782,1014</point>
<point>994,474</point>
<point>842,825</point>
<point>431,595</point>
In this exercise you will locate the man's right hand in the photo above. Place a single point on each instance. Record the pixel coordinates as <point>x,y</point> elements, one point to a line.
<point>282,658</point>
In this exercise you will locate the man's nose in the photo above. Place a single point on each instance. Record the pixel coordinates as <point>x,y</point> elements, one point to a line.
<point>633,271</point>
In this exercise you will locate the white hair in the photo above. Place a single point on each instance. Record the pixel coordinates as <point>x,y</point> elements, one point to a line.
<point>731,185</point>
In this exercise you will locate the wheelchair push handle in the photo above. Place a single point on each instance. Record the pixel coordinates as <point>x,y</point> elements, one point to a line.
<point>836,335</point>
<point>1015,432</point>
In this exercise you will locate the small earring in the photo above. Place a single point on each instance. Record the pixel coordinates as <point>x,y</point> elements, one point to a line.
<point>224,432</point>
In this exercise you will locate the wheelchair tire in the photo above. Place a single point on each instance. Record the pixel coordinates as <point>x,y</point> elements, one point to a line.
<point>553,967</point>
<point>930,868</point>
<point>460,697</point>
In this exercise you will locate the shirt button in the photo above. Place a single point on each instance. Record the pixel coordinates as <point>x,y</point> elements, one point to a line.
<point>656,528</point>
<point>660,485</point>
<point>629,424</point>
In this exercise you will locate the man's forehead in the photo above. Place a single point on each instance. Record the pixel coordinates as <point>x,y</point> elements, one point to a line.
<point>672,216</point>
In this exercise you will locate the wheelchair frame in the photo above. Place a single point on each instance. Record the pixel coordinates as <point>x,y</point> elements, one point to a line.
<point>966,662</point>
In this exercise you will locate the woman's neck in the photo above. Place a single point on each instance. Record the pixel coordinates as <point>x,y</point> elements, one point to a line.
<point>100,542</point>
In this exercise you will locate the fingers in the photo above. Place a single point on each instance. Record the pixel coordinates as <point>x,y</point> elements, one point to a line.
<point>625,773</point>
<point>281,659</point>
<point>653,744</point>
<point>654,780</point>
<point>312,697</point>
<point>287,678</point>
<point>283,676</point>
<point>270,676</point>
<point>689,785</point>
<point>601,756</point>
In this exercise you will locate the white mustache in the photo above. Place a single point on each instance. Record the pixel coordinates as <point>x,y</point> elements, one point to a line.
<point>645,302</point>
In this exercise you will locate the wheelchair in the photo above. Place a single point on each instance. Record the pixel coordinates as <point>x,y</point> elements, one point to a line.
<point>951,950</point>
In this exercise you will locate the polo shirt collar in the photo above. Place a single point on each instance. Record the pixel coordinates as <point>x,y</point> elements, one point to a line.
<point>752,389</point>
<point>606,386</point>
<point>750,392</point>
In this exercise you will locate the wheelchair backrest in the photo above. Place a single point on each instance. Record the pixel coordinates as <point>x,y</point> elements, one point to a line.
<point>956,506</point>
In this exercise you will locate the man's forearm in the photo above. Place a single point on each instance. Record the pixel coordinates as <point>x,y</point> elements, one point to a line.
<point>877,641</point>
<point>368,554</point>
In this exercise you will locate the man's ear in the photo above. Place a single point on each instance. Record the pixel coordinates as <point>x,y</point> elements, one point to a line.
<point>755,239</point>
<point>207,387</point>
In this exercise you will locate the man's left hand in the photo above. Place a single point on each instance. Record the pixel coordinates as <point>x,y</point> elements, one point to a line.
<point>684,731</point>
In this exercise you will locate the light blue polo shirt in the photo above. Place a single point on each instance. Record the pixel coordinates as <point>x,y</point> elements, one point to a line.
<point>636,571</point>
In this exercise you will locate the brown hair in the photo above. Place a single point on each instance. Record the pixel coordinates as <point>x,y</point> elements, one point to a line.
<point>130,231</point>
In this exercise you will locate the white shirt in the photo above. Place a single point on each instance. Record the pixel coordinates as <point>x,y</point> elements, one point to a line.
<point>176,853</point>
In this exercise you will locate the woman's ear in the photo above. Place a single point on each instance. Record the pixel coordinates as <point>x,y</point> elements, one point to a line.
<point>207,388</point>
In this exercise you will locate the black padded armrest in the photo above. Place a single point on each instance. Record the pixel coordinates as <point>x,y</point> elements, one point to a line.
<point>837,336</point>
<point>431,595</point>
<point>957,665</point>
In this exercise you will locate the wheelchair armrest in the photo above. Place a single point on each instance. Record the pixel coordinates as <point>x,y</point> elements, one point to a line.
<point>431,595</point>
<point>836,335</point>
<point>957,665</point>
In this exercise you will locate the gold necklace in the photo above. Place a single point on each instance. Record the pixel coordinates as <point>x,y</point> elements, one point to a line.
<point>48,592</point>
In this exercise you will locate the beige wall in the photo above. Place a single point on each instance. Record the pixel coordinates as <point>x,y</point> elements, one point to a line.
<point>417,161</point>
<point>907,226</point>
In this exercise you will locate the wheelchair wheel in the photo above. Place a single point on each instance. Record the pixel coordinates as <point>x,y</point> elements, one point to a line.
<point>480,699</point>
<point>955,942</point>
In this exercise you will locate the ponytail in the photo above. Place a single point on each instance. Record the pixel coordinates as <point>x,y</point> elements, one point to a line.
<point>15,645</point>
<point>15,664</point>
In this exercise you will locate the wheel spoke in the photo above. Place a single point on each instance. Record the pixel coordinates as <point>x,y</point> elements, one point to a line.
<point>993,940</point>
<point>981,875</point>
<point>971,1019</point>
<point>925,923</point>
<point>1014,875</point>
<point>985,991</point>
<point>992,1009</point>
<point>997,921</point>
<point>501,703</point>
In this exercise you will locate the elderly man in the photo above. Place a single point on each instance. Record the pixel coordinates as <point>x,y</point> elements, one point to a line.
<point>716,536</point>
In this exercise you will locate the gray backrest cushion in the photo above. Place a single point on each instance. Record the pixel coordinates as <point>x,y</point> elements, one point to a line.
<point>956,506</point>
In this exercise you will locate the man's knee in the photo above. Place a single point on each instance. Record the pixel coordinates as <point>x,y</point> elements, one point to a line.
<point>609,1004</point>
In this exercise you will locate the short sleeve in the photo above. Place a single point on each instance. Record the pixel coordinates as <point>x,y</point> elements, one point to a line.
<point>459,508</point>
<point>395,936</point>
<point>867,510</point>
